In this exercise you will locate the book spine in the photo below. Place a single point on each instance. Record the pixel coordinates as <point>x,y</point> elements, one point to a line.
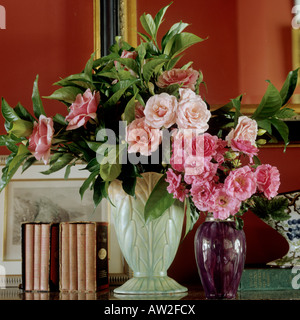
<point>81,263</point>
<point>37,257</point>
<point>73,256</point>
<point>29,245</point>
<point>45,256</point>
<point>65,257</point>
<point>102,256</point>
<point>54,257</point>
<point>90,253</point>
<point>266,279</point>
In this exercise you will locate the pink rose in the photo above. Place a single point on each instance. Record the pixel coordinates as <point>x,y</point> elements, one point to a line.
<point>83,109</point>
<point>178,155</point>
<point>41,138</point>
<point>186,78</point>
<point>139,110</point>
<point>241,183</point>
<point>246,129</point>
<point>244,146</point>
<point>224,205</point>
<point>206,172</point>
<point>268,180</point>
<point>129,55</point>
<point>142,138</point>
<point>202,194</point>
<point>160,110</point>
<point>176,187</point>
<point>193,114</point>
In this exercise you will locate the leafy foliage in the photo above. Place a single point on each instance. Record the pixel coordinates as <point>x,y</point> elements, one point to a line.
<point>275,208</point>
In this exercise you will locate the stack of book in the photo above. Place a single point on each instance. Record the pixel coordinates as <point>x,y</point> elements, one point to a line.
<point>67,256</point>
<point>40,264</point>
<point>83,256</point>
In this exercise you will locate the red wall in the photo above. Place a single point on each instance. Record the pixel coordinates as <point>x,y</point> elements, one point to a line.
<point>52,38</point>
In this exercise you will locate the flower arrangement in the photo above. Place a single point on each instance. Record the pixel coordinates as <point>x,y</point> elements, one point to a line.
<point>207,158</point>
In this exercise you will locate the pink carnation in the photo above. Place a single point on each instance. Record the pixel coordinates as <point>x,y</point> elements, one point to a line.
<point>268,180</point>
<point>207,172</point>
<point>41,139</point>
<point>142,138</point>
<point>186,78</point>
<point>224,205</point>
<point>240,183</point>
<point>176,187</point>
<point>202,193</point>
<point>83,109</point>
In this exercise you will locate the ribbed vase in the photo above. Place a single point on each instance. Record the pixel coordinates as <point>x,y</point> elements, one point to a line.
<point>148,248</point>
<point>220,251</point>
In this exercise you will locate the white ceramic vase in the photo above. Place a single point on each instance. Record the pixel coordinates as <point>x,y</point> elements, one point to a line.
<point>149,248</point>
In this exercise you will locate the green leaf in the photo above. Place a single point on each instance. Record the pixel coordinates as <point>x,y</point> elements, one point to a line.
<point>129,63</point>
<point>13,163</point>
<point>150,67</point>
<point>144,36</point>
<point>187,210</point>
<point>159,17</point>
<point>8,112</point>
<point>237,105</point>
<point>38,108</point>
<point>159,200</point>
<point>21,128</point>
<point>265,124</point>
<point>88,70</point>
<point>276,208</point>
<point>282,128</point>
<point>129,185</point>
<point>183,41</point>
<point>110,171</point>
<point>60,163</point>
<point>239,223</point>
<point>58,118</point>
<point>28,163</point>
<point>119,90</point>
<point>168,38</point>
<point>87,182</point>
<point>148,24</point>
<point>110,166</point>
<point>285,113</point>
<point>98,191</point>
<point>68,170</point>
<point>269,105</point>
<point>23,113</point>
<point>67,94</point>
<point>129,112</point>
<point>289,86</point>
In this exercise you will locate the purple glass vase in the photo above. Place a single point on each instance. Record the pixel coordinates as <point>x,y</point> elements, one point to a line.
<point>220,251</point>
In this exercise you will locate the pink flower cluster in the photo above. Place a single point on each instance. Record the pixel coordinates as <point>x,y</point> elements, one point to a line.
<point>208,170</point>
<point>163,111</point>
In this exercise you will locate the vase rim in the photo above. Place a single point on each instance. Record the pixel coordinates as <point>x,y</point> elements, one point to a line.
<point>210,217</point>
